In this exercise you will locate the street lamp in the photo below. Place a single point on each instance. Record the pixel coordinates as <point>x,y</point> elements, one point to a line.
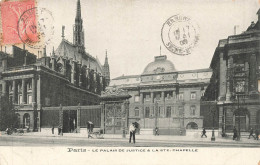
<point>156,114</point>
<point>213,111</point>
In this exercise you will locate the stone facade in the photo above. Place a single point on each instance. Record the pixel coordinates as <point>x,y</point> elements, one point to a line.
<point>69,77</point>
<point>165,98</point>
<point>235,81</point>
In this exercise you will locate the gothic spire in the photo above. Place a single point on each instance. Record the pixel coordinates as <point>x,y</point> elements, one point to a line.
<point>78,15</point>
<point>78,33</point>
<point>106,59</point>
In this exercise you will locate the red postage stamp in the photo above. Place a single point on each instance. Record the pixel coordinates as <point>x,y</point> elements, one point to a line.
<point>11,13</point>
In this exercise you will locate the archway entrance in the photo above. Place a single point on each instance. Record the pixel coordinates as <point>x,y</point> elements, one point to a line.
<point>241,117</point>
<point>69,121</point>
<point>192,125</point>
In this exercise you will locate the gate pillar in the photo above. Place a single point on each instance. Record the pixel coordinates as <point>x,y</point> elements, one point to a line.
<point>114,111</point>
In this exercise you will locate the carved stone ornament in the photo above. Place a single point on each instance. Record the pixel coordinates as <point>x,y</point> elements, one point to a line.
<point>159,69</point>
<point>114,92</point>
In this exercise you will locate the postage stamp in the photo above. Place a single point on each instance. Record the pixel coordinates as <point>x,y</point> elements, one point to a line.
<point>10,14</point>
<point>180,34</point>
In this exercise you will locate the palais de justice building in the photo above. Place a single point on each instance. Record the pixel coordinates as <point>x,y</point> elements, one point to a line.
<point>164,97</point>
<point>40,87</point>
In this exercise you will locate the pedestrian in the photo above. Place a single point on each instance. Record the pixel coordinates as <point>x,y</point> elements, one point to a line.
<point>251,133</point>
<point>156,131</point>
<point>132,132</point>
<point>204,133</point>
<point>52,129</point>
<point>235,133</point>
<point>256,134</point>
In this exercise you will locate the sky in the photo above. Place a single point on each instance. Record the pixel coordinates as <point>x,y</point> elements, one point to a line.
<point>130,30</point>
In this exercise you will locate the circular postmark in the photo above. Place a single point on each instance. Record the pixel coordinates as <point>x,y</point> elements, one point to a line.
<point>179,34</point>
<point>35,27</point>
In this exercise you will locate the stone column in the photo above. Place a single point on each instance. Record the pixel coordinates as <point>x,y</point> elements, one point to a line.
<point>78,119</point>
<point>64,66</point>
<point>163,96</point>
<point>80,76</point>
<point>53,63</point>
<point>39,92</point>
<point>229,74</point>
<point>14,92</point>
<point>222,77</point>
<point>220,121</point>
<point>141,98</point>
<point>73,72</point>
<point>252,73</point>
<point>102,126</point>
<point>33,90</point>
<point>4,88</point>
<point>152,97</point>
<point>23,91</point>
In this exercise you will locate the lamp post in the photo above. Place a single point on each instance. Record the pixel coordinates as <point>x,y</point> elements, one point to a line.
<point>183,113</point>
<point>156,114</point>
<point>213,111</point>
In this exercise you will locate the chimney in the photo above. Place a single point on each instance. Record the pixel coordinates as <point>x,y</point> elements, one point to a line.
<point>44,52</point>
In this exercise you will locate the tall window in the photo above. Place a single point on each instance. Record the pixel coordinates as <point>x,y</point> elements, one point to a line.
<point>181,110</point>
<point>137,98</point>
<point>147,97</point>
<point>137,112</point>
<point>168,112</point>
<point>147,112</point>
<point>180,96</point>
<point>193,95</point>
<point>192,110</point>
<point>20,99</point>
<point>161,112</point>
<point>29,99</point>
<point>29,86</point>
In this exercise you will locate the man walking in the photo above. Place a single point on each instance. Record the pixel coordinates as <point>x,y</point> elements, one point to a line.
<point>204,133</point>
<point>235,133</point>
<point>156,131</point>
<point>132,132</point>
<point>251,133</point>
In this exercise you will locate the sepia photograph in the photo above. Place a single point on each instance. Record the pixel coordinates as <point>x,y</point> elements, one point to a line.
<point>82,81</point>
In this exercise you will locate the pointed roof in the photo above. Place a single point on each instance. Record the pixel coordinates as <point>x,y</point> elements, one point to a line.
<point>69,50</point>
<point>106,60</point>
<point>78,15</point>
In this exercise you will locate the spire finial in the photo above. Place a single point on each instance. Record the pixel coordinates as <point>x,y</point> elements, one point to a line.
<point>78,16</point>
<point>63,29</point>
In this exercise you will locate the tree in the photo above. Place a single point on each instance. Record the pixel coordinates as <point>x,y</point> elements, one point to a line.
<point>8,118</point>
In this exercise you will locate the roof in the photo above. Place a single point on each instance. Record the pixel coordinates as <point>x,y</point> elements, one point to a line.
<point>69,50</point>
<point>160,64</point>
<point>127,76</point>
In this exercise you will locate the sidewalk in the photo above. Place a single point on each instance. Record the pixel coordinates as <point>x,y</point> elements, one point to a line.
<point>244,140</point>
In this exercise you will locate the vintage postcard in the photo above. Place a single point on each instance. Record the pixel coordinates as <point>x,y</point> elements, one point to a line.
<point>129,82</point>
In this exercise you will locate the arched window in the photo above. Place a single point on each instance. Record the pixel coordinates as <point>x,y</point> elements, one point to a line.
<point>192,125</point>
